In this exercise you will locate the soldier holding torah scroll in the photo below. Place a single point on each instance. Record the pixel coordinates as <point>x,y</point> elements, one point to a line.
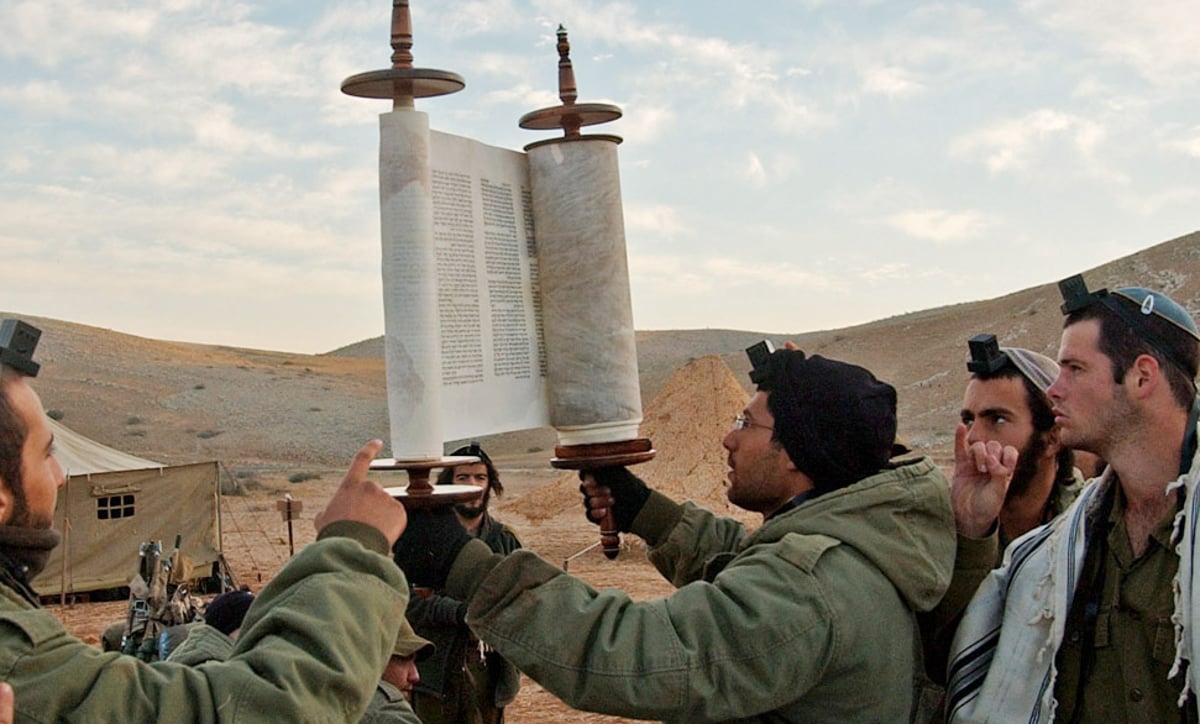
<point>809,618</point>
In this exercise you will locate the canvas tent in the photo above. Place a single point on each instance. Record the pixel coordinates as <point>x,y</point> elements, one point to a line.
<point>113,502</point>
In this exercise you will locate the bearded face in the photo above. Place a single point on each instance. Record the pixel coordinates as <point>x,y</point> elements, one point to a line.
<point>29,488</point>
<point>1027,465</point>
<point>475,474</point>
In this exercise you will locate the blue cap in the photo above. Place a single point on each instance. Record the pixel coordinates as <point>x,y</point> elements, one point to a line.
<point>1145,303</point>
<point>1150,302</point>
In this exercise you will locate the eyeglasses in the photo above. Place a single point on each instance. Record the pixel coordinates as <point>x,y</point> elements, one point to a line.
<point>741,422</point>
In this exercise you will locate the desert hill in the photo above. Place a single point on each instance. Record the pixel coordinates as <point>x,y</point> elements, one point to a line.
<point>179,402</point>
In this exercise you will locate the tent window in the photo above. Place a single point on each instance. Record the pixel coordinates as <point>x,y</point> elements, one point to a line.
<point>114,506</point>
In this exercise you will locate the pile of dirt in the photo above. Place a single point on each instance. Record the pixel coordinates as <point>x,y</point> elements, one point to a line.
<point>686,423</point>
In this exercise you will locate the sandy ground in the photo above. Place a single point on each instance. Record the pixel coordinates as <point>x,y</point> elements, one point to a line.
<point>256,545</point>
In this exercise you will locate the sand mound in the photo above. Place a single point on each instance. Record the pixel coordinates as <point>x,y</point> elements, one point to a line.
<point>686,423</point>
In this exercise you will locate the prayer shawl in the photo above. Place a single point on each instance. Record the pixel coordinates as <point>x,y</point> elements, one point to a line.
<point>1002,661</point>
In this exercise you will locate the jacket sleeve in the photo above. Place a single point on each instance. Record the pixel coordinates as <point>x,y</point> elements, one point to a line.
<point>709,652</point>
<point>974,559</point>
<point>433,610</point>
<point>388,706</point>
<point>683,538</point>
<point>312,648</point>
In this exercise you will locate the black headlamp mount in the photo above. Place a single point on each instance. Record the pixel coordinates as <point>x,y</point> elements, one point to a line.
<point>18,340</point>
<point>1076,296</point>
<point>986,357</point>
<point>759,353</point>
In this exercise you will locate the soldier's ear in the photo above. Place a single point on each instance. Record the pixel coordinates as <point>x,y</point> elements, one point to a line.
<point>1144,375</point>
<point>1053,443</point>
<point>6,501</point>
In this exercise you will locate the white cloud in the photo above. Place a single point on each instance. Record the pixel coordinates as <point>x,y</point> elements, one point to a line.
<point>794,113</point>
<point>736,272</point>
<point>1187,141</point>
<point>754,172</point>
<point>252,57</point>
<point>217,129</point>
<point>670,274</point>
<point>523,95</point>
<point>760,171</point>
<point>939,225</point>
<point>887,272</point>
<point>37,97</point>
<point>510,65</point>
<point>1156,37</point>
<point>357,16</point>
<point>656,219</point>
<point>891,81</point>
<point>1157,201</point>
<point>474,17</point>
<point>726,74</point>
<point>695,276</point>
<point>1017,143</point>
<point>55,32</point>
<point>645,121</point>
<point>18,163</point>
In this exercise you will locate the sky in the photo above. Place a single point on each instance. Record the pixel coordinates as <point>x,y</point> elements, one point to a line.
<point>189,169</point>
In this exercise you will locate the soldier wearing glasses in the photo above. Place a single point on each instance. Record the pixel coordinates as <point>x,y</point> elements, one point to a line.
<point>808,618</point>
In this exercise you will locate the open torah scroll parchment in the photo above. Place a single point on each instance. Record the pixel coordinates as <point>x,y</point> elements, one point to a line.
<point>491,326</point>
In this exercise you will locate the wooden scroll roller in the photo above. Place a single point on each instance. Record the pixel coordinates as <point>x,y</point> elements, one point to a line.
<point>604,455</point>
<point>587,165</point>
<point>419,494</point>
<point>402,82</point>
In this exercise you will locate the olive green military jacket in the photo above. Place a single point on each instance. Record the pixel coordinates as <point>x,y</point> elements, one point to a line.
<point>435,617</point>
<point>204,643</point>
<point>809,618</point>
<point>311,649</point>
<point>388,706</point>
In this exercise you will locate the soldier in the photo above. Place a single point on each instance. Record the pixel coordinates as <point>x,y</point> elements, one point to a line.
<point>808,618</point>
<point>1005,400</point>
<point>1091,617</point>
<point>312,645</point>
<point>464,681</point>
<point>389,705</point>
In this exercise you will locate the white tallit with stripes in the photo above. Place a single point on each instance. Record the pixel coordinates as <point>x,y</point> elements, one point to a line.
<point>1002,659</point>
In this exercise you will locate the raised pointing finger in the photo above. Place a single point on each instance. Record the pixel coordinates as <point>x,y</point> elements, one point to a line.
<point>362,460</point>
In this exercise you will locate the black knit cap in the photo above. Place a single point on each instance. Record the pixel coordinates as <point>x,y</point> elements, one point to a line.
<point>225,612</point>
<point>834,419</point>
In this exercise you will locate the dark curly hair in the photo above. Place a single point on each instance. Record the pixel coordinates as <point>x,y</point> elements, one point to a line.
<point>1122,345</point>
<point>446,476</point>
<point>13,432</point>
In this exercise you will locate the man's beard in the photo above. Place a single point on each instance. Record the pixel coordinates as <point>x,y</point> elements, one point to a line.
<point>1027,465</point>
<point>474,508</point>
<point>21,516</point>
